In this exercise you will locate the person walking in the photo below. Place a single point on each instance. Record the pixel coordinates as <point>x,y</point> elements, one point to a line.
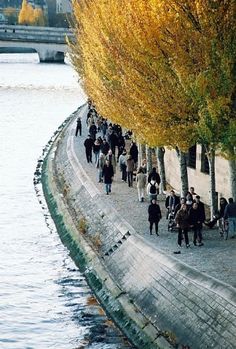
<point>96,150</point>
<point>141,184</point>
<point>154,175</point>
<point>230,215</point>
<point>134,152</point>
<point>112,159</point>
<point>154,216</point>
<point>195,222</point>
<point>130,170</point>
<point>182,223</point>
<point>152,189</point>
<point>93,130</point>
<point>107,175</point>
<point>88,143</point>
<point>100,164</point>
<point>123,165</point>
<point>78,127</point>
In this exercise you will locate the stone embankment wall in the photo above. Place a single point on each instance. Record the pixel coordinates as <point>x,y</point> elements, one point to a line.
<point>157,301</point>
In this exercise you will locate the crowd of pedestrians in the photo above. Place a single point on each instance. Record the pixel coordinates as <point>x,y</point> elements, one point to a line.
<point>106,147</point>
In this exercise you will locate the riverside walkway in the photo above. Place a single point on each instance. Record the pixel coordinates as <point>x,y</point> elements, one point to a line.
<point>158,299</point>
<point>216,258</point>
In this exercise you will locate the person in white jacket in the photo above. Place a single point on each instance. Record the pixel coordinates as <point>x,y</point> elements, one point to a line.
<point>141,183</point>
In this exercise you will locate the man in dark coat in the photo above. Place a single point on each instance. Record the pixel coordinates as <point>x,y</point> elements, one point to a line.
<point>78,127</point>
<point>134,152</point>
<point>104,147</point>
<point>154,215</point>
<point>171,202</point>
<point>93,131</point>
<point>195,222</point>
<point>88,143</point>
<point>107,174</point>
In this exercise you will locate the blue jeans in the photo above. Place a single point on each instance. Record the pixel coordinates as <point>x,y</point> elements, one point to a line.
<point>107,187</point>
<point>232,226</point>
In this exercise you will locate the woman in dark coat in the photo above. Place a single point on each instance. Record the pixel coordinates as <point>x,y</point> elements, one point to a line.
<point>107,174</point>
<point>154,215</point>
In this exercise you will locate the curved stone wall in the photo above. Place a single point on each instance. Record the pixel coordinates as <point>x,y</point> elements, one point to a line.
<point>152,297</point>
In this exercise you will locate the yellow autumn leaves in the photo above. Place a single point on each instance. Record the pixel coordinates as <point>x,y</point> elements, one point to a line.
<point>165,69</point>
<point>31,16</point>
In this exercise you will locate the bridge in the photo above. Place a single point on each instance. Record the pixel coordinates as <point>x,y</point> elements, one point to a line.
<point>49,43</point>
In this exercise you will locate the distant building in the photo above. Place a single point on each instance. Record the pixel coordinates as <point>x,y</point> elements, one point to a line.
<point>3,19</point>
<point>63,6</point>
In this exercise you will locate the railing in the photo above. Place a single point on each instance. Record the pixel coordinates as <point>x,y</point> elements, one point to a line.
<point>35,34</point>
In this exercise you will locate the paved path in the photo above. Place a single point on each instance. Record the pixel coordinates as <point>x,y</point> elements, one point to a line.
<point>216,258</point>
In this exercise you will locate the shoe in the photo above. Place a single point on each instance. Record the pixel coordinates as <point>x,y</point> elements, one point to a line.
<point>150,233</point>
<point>179,246</point>
<point>107,193</point>
<point>201,244</point>
<point>188,246</point>
<point>157,234</point>
<point>195,244</point>
<point>142,199</point>
<point>177,252</point>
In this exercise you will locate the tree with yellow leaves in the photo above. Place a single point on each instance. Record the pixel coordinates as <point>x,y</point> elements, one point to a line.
<point>26,14</point>
<point>31,16</point>
<point>133,87</point>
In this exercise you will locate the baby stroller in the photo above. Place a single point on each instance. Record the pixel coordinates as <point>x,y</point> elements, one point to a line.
<point>171,220</point>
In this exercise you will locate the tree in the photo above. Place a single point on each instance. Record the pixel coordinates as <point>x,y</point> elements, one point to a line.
<point>26,14</point>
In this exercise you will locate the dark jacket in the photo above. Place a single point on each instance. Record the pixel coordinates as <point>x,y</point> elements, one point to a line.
<point>104,148</point>
<point>88,143</point>
<point>154,213</point>
<point>134,152</point>
<point>182,219</point>
<point>230,211</point>
<point>202,214</point>
<point>154,175</point>
<point>195,216</point>
<point>107,173</point>
<point>172,201</point>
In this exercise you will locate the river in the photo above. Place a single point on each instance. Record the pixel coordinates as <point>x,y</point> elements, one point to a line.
<point>44,300</point>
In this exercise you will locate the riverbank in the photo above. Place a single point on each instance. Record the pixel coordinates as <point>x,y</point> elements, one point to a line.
<point>149,293</point>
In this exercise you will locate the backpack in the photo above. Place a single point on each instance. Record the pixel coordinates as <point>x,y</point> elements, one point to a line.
<point>153,189</point>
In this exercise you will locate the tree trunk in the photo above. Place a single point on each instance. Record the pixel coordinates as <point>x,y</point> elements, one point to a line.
<point>149,158</point>
<point>160,153</point>
<point>211,161</point>
<point>140,154</point>
<point>232,168</point>
<point>183,171</point>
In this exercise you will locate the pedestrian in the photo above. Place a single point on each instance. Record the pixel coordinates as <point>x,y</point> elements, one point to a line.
<point>201,208</point>
<point>104,127</point>
<point>154,175</point>
<point>189,200</point>
<point>192,192</point>
<point>171,202</point>
<point>195,222</point>
<point>182,223</point>
<point>100,164</point>
<point>105,147</point>
<point>154,216</point>
<point>107,175</point>
<point>112,159</point>
<point>96,150</point>
<point>130,170</point>
<point>134,152</point>
<point>219,215</point>
<point>93,131</point>
<point>88,143</point>
<point>78,127</point>
<point>152,189</point>
<point>123,165</point>
<point>120,145</point>
<point>230,215</point>
<point>141,184</point>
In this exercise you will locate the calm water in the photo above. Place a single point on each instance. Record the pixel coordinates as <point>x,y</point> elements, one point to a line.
<point>44,300</point>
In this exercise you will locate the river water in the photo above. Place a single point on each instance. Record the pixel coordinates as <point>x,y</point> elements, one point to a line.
<point>44,300</point>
